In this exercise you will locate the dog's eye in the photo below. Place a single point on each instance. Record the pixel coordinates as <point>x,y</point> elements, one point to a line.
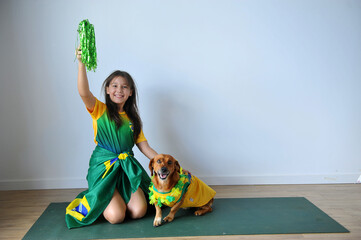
<point>158,161</point>
<point>170,162</point>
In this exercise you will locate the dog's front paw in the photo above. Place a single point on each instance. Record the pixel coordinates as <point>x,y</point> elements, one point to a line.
<point>199,213</point>
<point>157,221</point>
<point>168,218</point>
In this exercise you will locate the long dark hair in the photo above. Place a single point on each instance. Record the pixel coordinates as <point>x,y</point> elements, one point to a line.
<point>130,106</point>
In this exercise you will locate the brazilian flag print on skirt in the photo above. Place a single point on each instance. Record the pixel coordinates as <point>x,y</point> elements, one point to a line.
<point>112,165</point>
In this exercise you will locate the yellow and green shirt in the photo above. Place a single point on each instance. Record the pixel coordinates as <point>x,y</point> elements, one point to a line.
<point>105,134</point>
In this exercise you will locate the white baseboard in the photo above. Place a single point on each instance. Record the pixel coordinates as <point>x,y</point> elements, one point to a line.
<point>27,184</point>
<point>282,179</point>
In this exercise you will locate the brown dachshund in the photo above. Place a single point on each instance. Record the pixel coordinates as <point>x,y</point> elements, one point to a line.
<point>172,188</point>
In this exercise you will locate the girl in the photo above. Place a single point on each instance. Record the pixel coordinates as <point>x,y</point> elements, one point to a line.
<point>116,180</point>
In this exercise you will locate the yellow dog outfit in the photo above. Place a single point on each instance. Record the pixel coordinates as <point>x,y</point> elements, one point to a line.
<point>196,193</point>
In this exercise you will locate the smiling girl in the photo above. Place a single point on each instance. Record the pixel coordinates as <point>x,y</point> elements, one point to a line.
<point>117,183</point>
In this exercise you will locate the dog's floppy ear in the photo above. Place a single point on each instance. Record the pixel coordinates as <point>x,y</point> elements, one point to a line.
<point>151,167</point>
<point>177,166</point>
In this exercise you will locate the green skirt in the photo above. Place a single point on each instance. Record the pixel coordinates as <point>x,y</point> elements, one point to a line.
<point>107,171</point>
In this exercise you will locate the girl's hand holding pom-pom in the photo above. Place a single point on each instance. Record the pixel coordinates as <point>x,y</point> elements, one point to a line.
<point>78,54</point>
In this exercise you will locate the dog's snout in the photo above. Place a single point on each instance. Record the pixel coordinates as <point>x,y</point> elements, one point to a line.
<point>164,169</point>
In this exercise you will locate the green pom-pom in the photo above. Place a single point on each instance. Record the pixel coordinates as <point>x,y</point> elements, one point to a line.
<point>87,44</point>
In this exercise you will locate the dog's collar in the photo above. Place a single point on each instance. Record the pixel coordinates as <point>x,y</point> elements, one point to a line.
<point>160,191</point>
<point>176,193</point>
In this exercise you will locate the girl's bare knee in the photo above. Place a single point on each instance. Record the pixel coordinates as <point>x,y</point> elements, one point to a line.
<point>138,212</point>
<point>113,216</point>
<point>116,209</point>
<point>137,205</point>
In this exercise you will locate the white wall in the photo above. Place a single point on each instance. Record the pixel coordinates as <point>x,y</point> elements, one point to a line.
<point>241,92</point>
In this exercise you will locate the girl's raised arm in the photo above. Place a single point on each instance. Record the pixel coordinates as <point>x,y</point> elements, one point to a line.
<point>83,85</point>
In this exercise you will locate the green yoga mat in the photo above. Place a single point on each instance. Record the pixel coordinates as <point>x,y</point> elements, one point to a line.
<point>230,216</point>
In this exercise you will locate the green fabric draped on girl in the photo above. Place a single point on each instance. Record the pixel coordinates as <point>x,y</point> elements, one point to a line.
<point>112,165</point>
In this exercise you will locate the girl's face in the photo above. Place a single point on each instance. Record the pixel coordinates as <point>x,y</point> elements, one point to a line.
<point>119,91</point>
